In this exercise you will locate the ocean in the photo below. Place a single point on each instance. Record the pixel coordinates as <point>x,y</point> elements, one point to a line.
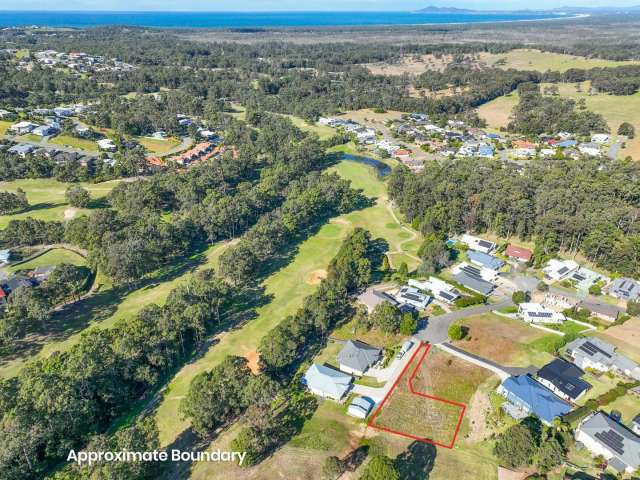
<point>250,19</point>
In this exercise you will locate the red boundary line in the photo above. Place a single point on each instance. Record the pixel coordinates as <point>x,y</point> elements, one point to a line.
<point>421,394</point>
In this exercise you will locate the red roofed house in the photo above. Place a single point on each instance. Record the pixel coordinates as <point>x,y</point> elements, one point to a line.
<point>402,153</point>
<point>523,144</point>
<point>519,253</point>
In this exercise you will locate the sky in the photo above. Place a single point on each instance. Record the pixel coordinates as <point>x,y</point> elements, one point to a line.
<point>299,5</point>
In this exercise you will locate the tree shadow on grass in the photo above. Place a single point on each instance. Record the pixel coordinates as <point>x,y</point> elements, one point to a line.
<point>42,206</point>
<point>417,461</point>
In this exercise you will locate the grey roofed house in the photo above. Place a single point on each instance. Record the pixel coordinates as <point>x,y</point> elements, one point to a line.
<point>622,445</point>
<point>625,288</point>
<point>601,309</point>
<point>15,282</point>
<point>357,357</point>
<point>474,283</point>
<point>485,260</point>
<point>327,382</point>
<point>43,272</point>
<point>591,352</point>
<point>371,298</point>
<point>22,149</point>
<point>360,407</point>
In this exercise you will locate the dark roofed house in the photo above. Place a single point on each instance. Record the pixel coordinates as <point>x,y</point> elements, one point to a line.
<point>474,283</point>
<point>356,357</point>
<point>564,379</point>
<point>602,310</point>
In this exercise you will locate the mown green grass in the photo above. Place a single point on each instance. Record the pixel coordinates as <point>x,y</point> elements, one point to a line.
<point>46,198</point>
<point>54,256</point>
<point>75,142</point>
<point>158,146</point>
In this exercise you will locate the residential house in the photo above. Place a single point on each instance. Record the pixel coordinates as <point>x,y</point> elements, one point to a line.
<point>600,138</point>
<point>602,435</point>
<point>41,274</point>
<point>327,382</point>
<point>485,151</point>
<point>357,357</point>
<point>371,298</point>
<point>524,153</point>
<point>590,149</point>
<point>486,274</point>
<point>412,296</point>
<point>536,313</point>
<point>360,407</point>
<point>528,397</point>
<point>22,149</point>
<point>523,144</point>
<point>440,289</point>
<point>519,253</point>
<point>6,114</point>
<point>45,130</point>
<point>5,256</point>
<point>474,283</point>
<point>478,244</point>
<point>625,289</point>
<point>107,144</point>
<point>585,278</point>
<point>23,127</point>
<point>567,143</point>
<point>485,260</point>
<point>11,284</point>
<point>63,111</point>
<point>559,269</point>
<point>564,379</point>
<point>591,352</point>
<point>600,309</point>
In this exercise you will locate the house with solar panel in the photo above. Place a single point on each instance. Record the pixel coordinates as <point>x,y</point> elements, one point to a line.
<point>411,296</point>
<point>478,244</point>
<point>564,379</point>
<point>591,352</point>
<point>625,289</point>
<point>527,397</point>
<point>486,274</point>
<point>559,269</point>
<point>537,313</point>
<point>441,290</point>
<point>602,435</point>
<point>474,283</point>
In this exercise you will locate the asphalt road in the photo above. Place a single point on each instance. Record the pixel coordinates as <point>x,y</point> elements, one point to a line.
<point>437,328</point>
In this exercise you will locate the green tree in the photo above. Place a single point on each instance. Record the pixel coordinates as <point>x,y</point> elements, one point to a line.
<point>550,454</point>
<point>519,297</point>
<point>386,317</point>
<point>332,468</point>
<point>77,196</point>
<point>380,467</point>
<point>516,447</point>
<point>456,332</point>
<point>402,273</point>
<point>633,308</point>
<point>408,324</point>
<point>627,130</point>
<point>434,254</point>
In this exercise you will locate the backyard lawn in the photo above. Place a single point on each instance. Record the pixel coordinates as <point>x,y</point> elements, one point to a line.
<point>158,146</point>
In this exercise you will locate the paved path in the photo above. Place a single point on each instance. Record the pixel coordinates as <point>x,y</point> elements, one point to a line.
<point>184,145</point>
<point>398,246</point>
<point>378,393</point>
<point>437,328</point>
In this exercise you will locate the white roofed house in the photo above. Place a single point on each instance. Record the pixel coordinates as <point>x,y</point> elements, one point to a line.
<point>486,274</point>
<point>536,313</point>
<point>625,289</point>
<point>106,144</point>
<point>23,127</point>
<point>412,296</point>
<point>478,244</point>
<point>440,289</point>
<point>600,138</point>
<point>591,149</point>
<point>371,298</point>
<point>559,269</point>
<point>602,435</point>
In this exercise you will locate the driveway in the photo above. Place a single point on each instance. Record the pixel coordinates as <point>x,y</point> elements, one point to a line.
<point>437,328</point>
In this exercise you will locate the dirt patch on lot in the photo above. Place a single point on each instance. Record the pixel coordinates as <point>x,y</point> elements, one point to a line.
<point>254,361</point>
<point>626,337</point>
<point>70,212</point>
<point>315,277</point>
<point>496,338</point>
<point>476,415</point>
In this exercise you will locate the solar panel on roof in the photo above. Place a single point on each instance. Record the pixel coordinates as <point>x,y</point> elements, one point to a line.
<point>540,314</point>
<point>591,349</point>
<point>447,295</point>
<point>563,270</point>
<point>579,277</point>
<point>612,439</point>
<point>484,243</point>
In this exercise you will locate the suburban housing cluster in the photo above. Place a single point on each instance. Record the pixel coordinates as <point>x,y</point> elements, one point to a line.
<point>80,62</point>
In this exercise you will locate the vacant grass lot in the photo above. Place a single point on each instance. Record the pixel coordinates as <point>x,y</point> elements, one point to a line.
<point>615,110</point>
<point>159,146</point>
<point>529,59</point>
<point>506,341</point>
<point>323,131</point>
<point>406,412</point>
<point>46,198</point>
<point>4,126</point>
<point>75,142</point>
